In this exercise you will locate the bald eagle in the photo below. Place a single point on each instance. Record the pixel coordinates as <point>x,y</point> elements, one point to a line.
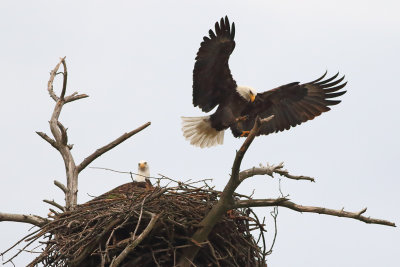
<point>143,172</point>
<point>141,182</point>
<point>238,106</point>
<point>142,177</point>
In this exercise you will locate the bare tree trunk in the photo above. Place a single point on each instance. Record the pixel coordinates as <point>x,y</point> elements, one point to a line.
<point>60,141</point>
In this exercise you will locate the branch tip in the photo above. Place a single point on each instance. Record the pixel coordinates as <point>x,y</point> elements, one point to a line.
<point>109,146</point>
<point>61,186</point>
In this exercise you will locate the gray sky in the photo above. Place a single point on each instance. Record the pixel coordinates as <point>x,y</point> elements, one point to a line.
<point>135,60</point>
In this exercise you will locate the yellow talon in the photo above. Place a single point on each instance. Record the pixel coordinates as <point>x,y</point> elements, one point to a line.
<point>244,133</point>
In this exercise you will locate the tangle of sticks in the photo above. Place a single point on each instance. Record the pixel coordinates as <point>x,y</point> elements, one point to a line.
<point>133,225</point>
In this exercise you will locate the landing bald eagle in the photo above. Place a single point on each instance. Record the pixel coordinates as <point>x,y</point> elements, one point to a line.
<point>238,106</point>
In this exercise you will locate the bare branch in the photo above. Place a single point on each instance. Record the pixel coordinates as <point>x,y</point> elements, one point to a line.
<point>139,219</point>
<point>282,202</point>
<point>48,139</point>
<point>278,169</point>
<point>258,202</point>
<point>110,146</point>
<point>65,74</point>
<point>240,154</point>
<point>129,248</point>
<point>55,204</point>
<point>31,219</point>
<point>270,170</point>
<point>75,97</point>
<point>61,186</point>
<point>53,74</point>
<point>19,241</point>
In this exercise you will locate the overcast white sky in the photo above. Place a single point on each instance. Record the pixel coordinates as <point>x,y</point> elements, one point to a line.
<point>135,60</point>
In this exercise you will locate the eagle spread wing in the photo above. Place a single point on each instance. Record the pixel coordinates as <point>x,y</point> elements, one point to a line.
<point>212,79</point>
<point>291,105</point>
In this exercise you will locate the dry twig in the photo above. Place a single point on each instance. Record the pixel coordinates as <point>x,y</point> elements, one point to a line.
<point>270,170</point>
<point>130,247</point>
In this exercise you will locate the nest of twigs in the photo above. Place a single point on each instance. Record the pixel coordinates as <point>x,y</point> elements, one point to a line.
<point>151,226</point>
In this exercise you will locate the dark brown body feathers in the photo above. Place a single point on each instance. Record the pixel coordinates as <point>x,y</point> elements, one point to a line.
<point>213,85</point>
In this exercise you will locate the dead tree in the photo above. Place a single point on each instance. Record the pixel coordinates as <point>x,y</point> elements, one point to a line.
<point>60,143</point>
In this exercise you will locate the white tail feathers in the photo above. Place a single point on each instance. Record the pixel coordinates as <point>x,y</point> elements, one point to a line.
<point>199,132</point>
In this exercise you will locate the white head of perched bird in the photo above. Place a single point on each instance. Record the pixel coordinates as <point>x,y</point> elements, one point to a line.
<point>143,171</point>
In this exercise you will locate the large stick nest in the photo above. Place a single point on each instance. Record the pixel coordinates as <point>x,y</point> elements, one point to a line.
<point>98,231</point>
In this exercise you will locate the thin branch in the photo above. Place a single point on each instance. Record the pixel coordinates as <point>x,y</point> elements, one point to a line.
<point>129,248</point>
<point>270,170</point>
<point>74,97</point>
<point>213,253</point>
<point>240,154</point>
<point>55,204</point>
<point>274,215</point>
<point>19,241</point>
<point>139,220</point>
<point>48,139</point>
<point>31,219</point>
<point>110,146</point>
<point>258,202</point>
<point>126,172</point>
<point>53,74</point>
<point>20,251</point>
<point>278,169</point>
<point>61,186</point>
<point>282,202</point>
<point>65,74</point>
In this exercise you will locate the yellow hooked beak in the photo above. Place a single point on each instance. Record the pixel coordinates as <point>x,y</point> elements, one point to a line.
<point>252,97</point>
<point>142,165</point>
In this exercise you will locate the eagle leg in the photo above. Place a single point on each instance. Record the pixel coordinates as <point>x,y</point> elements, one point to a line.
<point>242,118</point>
<point>245,133</point>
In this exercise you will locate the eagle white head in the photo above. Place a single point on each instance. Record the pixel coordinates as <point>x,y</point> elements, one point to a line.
<point>247,92</point>
<point>143,171</point>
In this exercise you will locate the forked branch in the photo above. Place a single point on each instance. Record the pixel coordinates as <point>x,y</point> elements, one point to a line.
<point>270,170</point>
<point>284,202</point>
<point>60,137</point>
